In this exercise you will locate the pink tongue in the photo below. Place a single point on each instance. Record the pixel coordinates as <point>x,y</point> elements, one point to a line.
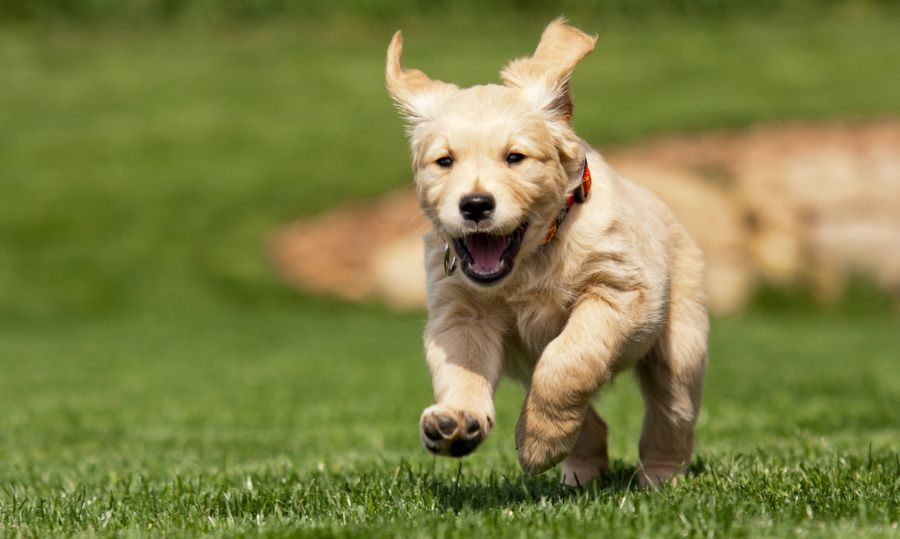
<point>487,252</point>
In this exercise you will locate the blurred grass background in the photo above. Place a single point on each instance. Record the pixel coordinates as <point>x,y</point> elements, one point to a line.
<point>147,149</point>
<point>148,164</point>
<point>391,10</point>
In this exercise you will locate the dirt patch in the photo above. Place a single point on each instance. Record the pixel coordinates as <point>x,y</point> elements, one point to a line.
<point>779,203</point>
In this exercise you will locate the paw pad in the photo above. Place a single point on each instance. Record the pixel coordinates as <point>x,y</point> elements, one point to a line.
<point>451,433</point>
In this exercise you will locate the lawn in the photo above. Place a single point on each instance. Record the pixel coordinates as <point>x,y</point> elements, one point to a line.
<point>158,380</point>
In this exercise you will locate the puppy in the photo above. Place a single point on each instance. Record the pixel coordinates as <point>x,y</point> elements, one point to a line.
<point>545,265</point>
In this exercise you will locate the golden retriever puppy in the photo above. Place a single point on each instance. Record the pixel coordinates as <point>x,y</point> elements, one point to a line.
<point>546,265</point>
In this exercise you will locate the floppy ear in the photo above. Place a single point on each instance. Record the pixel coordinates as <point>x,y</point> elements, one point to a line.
<point>544,77</point>
<point>414,93</point>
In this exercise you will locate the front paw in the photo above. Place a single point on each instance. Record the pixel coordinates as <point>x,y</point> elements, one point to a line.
<point>542,442</point>
<point>450,432</point>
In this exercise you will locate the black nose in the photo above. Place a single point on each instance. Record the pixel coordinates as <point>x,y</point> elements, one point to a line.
<point>477,206</point>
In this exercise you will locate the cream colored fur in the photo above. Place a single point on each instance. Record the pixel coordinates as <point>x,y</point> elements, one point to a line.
<point>620,285</point>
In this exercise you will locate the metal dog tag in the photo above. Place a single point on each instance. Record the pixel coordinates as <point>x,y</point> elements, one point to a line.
<point>449,260</point>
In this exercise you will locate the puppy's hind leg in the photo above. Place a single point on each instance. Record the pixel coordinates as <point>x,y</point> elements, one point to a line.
<point>671,378</point>
<point>589,459</point>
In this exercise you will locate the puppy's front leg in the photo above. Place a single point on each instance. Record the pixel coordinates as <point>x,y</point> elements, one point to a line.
<point>463,346</point>
<point>570,370</point>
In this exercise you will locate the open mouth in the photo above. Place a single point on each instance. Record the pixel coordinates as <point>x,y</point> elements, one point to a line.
<point>486,258</point>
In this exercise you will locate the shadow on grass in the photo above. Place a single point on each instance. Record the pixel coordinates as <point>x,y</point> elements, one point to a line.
<point>499,490</point>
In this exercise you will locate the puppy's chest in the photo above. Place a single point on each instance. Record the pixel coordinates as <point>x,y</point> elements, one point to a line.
<point>540,316</point>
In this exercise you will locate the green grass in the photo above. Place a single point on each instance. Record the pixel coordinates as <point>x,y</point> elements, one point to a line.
<point>157,380</point>
<point>303,419</point>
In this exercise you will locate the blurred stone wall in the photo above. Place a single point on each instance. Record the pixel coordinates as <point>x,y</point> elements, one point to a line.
<point>778,204</point>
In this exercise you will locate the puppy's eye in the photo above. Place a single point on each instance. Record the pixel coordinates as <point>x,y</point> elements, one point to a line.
<point>514,158</point>
<point>445,162</point>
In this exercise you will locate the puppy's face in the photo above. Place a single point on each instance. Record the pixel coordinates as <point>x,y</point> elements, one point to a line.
<point>489,177</point>
<point>493,164</point>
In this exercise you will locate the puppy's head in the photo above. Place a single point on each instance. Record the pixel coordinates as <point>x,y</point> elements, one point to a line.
<point>494,164</point>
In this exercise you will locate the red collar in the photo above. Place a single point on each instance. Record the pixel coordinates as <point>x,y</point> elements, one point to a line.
<point>579,195</point>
